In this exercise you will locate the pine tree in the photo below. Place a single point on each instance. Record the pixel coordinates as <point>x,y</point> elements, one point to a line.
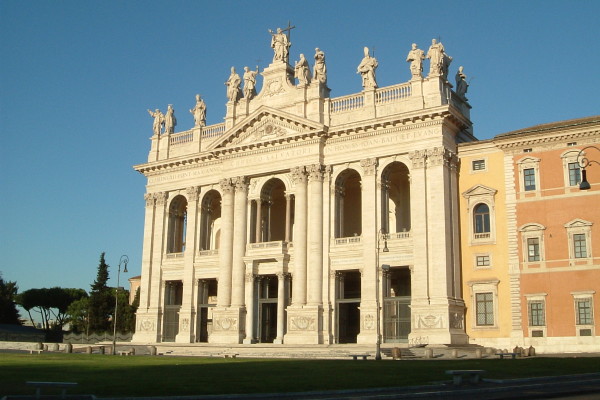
<point>102,301</point>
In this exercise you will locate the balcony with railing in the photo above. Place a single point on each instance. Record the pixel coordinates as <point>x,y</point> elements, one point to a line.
<point>276,248</point>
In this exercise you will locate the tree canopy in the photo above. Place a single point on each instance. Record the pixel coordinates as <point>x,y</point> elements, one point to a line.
<point>8,309</point>
<point>51,304</point>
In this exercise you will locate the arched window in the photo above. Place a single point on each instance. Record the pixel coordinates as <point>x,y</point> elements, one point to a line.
<point>210,222</point>
<point>269,214</point>
<point>395,198</point>
<point>177,225</point>
<point>348,204</point>
<point>481,221</point>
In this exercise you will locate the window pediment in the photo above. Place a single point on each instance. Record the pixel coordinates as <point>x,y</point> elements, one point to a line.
<point>532,227</point>
<point>480,191</point>
<point>577,223</point>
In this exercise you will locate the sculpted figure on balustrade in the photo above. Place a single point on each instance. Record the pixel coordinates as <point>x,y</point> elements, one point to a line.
<point>233,85</point>
<point>461,83</point>
<point>302,71</point>
<point>159,121</point>
<point>439,60</point>
<point>170,120</point>
<point>199,112</point>
<point>280,44</point>
<point>320,70</point>
<point>416,57</point>
<point>366,69</point>
<point>250,82</point>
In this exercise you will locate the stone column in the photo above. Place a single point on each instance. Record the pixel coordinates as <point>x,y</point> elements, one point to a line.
<point>226,245</point>
<point>288,216</point>
<point>280,307</point>
<point>300,239</point>
<point>369,240</point>
<point>315,235</point>
<point>258,234</point>
<point>239,241</point>
<point>187,314</point>
<point>250,295</point>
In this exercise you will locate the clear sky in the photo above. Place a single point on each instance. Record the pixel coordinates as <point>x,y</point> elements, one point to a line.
<point>77,77</point>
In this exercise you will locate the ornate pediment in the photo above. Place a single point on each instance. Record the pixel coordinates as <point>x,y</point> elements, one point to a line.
<point>267,125</point>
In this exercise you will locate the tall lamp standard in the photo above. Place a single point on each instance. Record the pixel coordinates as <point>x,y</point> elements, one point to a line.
<point>124,260</point>
<point>384,267</point>
<point>583,163</point>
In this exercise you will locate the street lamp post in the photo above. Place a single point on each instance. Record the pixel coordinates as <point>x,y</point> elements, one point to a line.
<point>124,260</point>
<point>385,249</point>
<point>583,163</point>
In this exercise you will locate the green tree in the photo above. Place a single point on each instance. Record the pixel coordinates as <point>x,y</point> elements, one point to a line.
<point>102,301</point>
<point>79,315</point>
<point>51,304</point>
<point>8,309</point>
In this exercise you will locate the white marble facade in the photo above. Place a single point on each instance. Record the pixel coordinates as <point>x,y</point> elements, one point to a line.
<point>301,215</point>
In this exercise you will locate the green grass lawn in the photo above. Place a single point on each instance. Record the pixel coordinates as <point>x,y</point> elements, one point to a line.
<point>104,375</point>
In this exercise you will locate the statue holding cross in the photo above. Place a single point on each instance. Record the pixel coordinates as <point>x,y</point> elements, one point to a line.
<point>280,42</point>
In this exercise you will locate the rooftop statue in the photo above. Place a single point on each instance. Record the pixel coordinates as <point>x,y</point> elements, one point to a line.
<point>199,112</point>
<point>159,121</point>
<point>250,82</point>
<point>233,85</point>
<point>367,70</point>
<point>461,83</point>
<point>302,71</point>
<point>281,45</point>
<point>416,57</point>
<point>170,120</point>
<point>439,60</point>
<point>320,70</point>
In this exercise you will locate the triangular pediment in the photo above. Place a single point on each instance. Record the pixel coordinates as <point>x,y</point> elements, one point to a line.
<point>479,190</point>
<point>266,125</point>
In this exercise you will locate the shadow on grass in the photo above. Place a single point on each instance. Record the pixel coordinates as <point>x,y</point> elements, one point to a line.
<point>104,375</point>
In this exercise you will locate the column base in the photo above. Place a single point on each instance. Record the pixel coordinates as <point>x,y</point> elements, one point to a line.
<point>228,325</point>
<point>148,326</point>
<point>304,325</point>
<point>438,324</point>
<point>368,324</point>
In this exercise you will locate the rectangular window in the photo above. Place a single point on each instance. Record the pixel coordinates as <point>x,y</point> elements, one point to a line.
<point>579,245</point>
<point>483,261</point>
<point>584,311</point>
<point>478,165</point>
<point>529,178</point>
<point>533,249</point>
<point>536,313</point>
<point>484,309</point>
<point>574,174</point>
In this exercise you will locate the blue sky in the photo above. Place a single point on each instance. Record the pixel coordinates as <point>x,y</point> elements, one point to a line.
<point>76,78</point>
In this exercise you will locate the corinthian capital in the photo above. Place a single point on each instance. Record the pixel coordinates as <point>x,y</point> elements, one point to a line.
<point>298,175</point>
<point>240,183</point>
<point>369,165</point>
<point>315,172</point>
<point>192,193</point>
<point>226,186</point>
<point>149,198</point>
<point>161,198</point>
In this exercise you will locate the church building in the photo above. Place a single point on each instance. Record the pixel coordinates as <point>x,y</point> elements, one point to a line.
<point>306,219</point>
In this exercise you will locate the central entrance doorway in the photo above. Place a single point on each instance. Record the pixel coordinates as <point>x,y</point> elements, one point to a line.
<point>396,305</point>
<point>207,299</point>
<point>348,306</point>
<point>267,308</point>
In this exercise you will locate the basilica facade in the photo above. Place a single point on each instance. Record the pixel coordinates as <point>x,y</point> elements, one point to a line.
<point>306,219</point>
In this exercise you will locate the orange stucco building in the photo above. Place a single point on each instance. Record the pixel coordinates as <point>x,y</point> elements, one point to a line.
<point>530,237</point>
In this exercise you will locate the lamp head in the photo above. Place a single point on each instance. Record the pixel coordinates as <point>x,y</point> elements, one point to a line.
<point>584,185</point>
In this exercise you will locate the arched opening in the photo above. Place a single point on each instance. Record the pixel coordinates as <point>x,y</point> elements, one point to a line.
<point>395,198</point>
<point>210,225</point>
<point>269,213</point>
<point>348,204</point>
<point>177,225</point>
